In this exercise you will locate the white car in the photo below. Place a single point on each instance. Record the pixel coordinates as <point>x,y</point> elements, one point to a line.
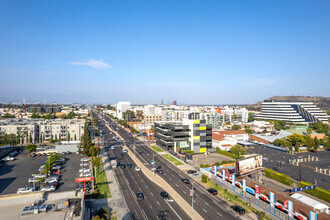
<point>112,147</point>
<point>137,168</point>
<point>8,158</point>
<point>25,189</point>
<point>50,180</point>
<point>48,188</point>
<point>84,170</point>
<point>57,167</point>
<point>85,174</point>
<point>40,176</point>
<point>85,159</point>
<point>84,164</point>
<point>33,180</point>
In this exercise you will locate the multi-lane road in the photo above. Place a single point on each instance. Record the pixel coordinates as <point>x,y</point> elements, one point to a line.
<point>207,205</point>
<point>131,181</point>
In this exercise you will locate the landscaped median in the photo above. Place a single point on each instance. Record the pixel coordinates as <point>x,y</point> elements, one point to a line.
<point>157,149</point>
<point>172,159</point>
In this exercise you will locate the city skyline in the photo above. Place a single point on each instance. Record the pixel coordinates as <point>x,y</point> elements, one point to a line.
<point>216,53</point>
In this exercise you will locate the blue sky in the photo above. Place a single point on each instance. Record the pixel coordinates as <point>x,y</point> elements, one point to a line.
<point>205,52</point>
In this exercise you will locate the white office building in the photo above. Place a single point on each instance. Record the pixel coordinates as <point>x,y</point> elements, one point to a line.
<point>297,112</point>
<point>122,107</point>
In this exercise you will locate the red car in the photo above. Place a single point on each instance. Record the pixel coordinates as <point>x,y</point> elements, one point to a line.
<point>314,151</point>
<point>58,172</point>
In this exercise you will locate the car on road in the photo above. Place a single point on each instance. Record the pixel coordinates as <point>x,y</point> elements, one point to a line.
<point>213,191</point>
<point>313,151</point>
<point>124,150</point>
<point>25,190</point>
<point>33,180</point>
<point>164,194</point>
<point>191,171</point>
<point>122,165</point>
<point>48,188</point>
<point>238,209</point>
<point>129,165</point>
<point>137,168</point>
<point>139,196</point>
<point>186,181</point>
<point>159,171</point>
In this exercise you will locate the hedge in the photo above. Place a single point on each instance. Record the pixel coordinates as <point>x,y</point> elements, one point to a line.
<point>228,154</point>
<point>285,179</point>
<point>189,151</point>
<point>317,192</point>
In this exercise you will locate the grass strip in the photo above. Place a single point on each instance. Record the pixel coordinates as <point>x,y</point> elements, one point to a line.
<point>102,183</point>
<point>157,149</point>
<point>172,159</point>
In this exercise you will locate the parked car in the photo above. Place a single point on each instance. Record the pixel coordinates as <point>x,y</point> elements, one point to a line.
<point>57,167</point>
<point>122,166</point>
<point>85,159</point>
<point>55,184</point>
<point>196,175</point>
<point>84,170</point>
<point>84,164</point>
<point>191,171</point>
<point>8,158</point>
<point>314,151</point>
<point>51,180</point>
<point>238,209</point>
<point>112,147</point>
<point>61,160</point>
<point>164,194</point>
<point>213,191</point>
<point>139,196</point>
<point>118,164</point>
<point>40,176</point>
<point>48,188</point>
<point>85,174</point>
<point>186,181</point>
<point>25,190</point>
<point>33,180</point>
<point>137,168</point>
<point>129,165</point>
<point>57,172</point>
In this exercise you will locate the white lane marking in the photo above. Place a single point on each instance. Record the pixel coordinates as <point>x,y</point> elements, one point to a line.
<point>206,203</point>
<point>150,206</point>
<point>172,175</point>
<point>146,186</point>
<point>176,185</point>
<point>205,210</point>
<point>219,213</point>
<point>184,192</point>
<point>142,180</point>
<point>157,202</point>
<point>144,214</point>
<point>135,182</point>
<point>152,194</point>
<point>173,210</point>
<point>170,179</point>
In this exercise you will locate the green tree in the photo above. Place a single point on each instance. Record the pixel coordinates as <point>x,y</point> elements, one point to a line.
<point>85,143</point>
<point>309,131</point>
<point>35,115</point>
<point>128,115</point>
<point>235,127</point>
<point>7,115</point>
<point>296,139</point>
<point>31,148</point>
<point>139,115</point>
<point>250,117</point>
<point>204,178</point>
<point>238,150</point>
<point>248,130</point>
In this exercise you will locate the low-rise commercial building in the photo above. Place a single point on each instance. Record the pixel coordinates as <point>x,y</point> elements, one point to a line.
<point>226,139</point>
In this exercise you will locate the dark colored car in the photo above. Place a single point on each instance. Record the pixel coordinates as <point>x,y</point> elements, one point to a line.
<point>186,181</point>
<point>118,164</point>
<point>314,151</point>
<point>191,171</point>
<point>213,191</point>
<point>123,165</point>
<point>159,167</point>
<point>139,196</point>
<point>238,209</point>
<point>129,165</point>
<point>160,171</point>
<point>164,194</point>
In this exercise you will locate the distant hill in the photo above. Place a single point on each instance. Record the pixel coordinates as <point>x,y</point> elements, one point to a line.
<point>321,102</point>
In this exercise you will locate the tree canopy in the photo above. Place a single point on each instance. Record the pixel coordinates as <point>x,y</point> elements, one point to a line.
<point>238,150</point>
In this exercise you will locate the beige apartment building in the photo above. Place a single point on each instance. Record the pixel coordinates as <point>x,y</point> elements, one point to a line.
<point>26,132</point>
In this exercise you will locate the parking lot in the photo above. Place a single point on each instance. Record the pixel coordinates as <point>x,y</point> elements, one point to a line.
<point>15,174</point>
<point>279,161</point>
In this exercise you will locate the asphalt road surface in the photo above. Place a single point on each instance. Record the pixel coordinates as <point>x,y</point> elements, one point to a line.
<point>207,205</point>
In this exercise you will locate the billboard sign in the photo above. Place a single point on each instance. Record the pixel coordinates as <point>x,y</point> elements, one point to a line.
<point>248,164</point>
<point>84,179</point>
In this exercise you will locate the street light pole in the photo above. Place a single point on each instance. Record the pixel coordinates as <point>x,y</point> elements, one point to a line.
<point>153,163</point>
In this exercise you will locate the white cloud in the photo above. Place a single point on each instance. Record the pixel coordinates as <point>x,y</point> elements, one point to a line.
<point>97,64</point>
